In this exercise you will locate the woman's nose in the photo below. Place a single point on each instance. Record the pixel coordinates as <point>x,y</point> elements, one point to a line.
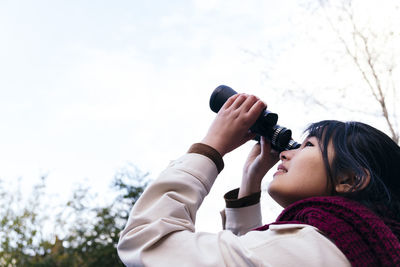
<point>285,155</point>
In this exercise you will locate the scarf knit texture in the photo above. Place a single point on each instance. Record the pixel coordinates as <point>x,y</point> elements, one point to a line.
<point>363,237</point>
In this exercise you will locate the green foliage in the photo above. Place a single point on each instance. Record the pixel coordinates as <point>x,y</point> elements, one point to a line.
<point>87,233</point>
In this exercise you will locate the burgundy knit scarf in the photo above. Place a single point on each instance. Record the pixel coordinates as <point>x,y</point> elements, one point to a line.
<point>361,235</point>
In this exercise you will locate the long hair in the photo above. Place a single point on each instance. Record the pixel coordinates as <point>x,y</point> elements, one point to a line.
<point>362,150</point>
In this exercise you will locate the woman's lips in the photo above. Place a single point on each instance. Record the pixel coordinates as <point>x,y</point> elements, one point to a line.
<point>281,169</point>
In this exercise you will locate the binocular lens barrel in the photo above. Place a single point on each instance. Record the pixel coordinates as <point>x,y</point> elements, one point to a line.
<point>280,137</point>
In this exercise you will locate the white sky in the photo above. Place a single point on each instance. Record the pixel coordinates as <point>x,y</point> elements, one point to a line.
<point>88,86</point>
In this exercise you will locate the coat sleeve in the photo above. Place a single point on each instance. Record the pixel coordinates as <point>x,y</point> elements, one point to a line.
<point>160,229</point>
<point>242,220</point>
<point>241,215</point>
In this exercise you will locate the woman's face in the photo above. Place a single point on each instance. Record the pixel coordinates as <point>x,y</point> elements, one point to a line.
<point>301,174</point>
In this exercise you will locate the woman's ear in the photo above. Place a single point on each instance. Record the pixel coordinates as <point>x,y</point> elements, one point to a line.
<point>347,182</point>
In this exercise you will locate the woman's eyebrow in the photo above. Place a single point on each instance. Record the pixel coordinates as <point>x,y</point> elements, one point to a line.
<point>308,138</point>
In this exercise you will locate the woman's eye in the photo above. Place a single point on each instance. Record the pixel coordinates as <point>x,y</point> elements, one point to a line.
<point>308,143</point>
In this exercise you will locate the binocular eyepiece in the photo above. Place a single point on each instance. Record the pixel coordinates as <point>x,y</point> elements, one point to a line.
<point>280,137</point>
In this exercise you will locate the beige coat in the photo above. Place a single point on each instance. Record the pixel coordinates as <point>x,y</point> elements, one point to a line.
<point>161,228</point>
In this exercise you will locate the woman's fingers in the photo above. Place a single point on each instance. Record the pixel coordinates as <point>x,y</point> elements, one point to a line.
<point>230,128</point>
<point>230,101</point>
<point>239,101</point>
<point>257,108</point>
<point>249,103</point>
<point>244,102</point>
<point>268,153</point>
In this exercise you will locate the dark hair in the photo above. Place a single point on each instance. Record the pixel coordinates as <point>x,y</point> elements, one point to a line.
<point>362,150</point>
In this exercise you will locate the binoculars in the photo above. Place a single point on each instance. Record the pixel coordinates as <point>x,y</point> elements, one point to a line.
<point>280,137</point>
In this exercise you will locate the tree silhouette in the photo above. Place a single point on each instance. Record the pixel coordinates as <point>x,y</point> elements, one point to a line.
<point>84,235</point>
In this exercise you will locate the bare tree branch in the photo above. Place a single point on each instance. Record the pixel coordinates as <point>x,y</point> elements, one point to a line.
<point>366,62</point>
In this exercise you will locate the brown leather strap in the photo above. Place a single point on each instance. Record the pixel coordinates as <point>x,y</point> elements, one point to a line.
<point>232,200</point>
<point>209,152</point>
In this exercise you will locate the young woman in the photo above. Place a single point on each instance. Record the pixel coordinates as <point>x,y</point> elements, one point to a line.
<point>340,192</point>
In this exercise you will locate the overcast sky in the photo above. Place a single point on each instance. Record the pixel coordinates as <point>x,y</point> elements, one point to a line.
<point>87,87</point>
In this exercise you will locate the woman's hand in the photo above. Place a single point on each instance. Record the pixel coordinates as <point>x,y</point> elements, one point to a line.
<point>260,160</point>
<point>230,129</point>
